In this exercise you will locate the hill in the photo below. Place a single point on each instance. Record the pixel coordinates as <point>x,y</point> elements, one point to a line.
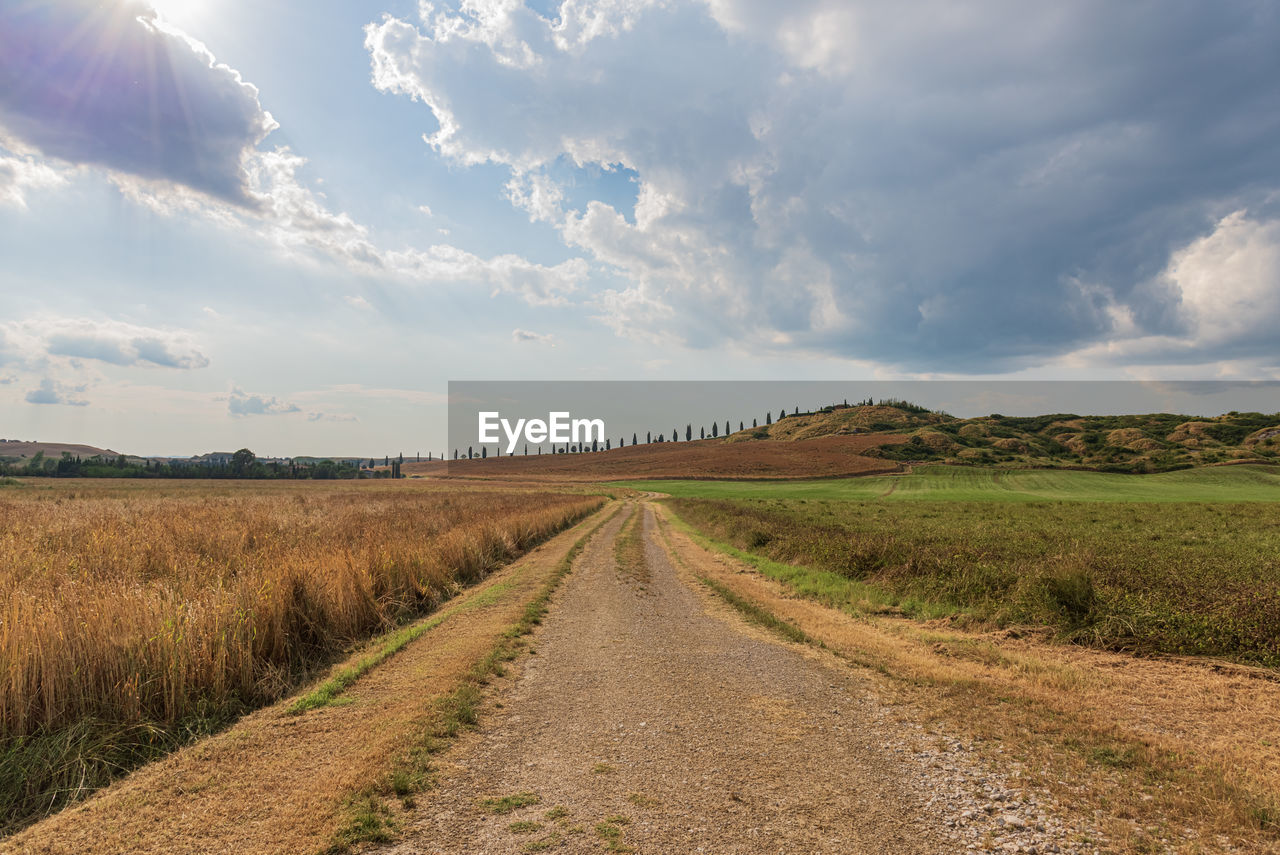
<point>1140,443</point>
<point>16,450</point>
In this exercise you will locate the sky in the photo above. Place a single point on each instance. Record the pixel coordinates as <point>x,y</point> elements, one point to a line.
<point>289,225</point>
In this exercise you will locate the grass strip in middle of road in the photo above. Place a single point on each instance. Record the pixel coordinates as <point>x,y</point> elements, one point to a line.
<point>628,550</point>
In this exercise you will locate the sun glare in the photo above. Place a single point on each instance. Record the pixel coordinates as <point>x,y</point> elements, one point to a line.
<point>183,13</point>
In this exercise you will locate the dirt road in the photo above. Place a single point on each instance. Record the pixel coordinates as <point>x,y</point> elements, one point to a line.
<point>652,720</point>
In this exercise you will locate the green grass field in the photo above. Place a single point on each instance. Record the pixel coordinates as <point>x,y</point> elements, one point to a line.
<point>1184,562</point>
<point>1246,483</point>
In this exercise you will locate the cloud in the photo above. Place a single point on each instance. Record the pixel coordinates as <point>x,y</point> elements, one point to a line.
<point>348,391</point>
<point>20,174</point>
<point>241,403</point>
<point>358,302</point>
<point>987,185</point>
<point>1228,282</point>
<point>34,340</point>
<point>521,336</point>
<point>52,392</point>
<point>1218,294</point>
<point>297,221</point>
<point>331,417</point>
<point>110,84</point>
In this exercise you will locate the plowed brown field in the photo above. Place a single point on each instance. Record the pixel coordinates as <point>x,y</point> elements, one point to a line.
<point>828,456</point>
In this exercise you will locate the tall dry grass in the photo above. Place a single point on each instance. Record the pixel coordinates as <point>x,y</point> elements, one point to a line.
<point>129,619</point>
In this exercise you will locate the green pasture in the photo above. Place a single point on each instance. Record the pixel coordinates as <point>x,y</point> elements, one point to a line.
<point>1245,483</point>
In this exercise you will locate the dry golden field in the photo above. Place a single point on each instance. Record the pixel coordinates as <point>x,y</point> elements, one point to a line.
<point>136,616</point>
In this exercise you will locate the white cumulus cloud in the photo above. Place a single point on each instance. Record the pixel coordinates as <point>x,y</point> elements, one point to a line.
<point>34,341</point>
<point>242,403</point>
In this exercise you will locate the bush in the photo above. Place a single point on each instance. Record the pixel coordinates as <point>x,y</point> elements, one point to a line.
<point>1070,595</point>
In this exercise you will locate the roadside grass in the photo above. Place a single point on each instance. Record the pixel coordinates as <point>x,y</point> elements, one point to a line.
<point>455,712</point>
<point>1241,483</point>
<point>1198,579</point>
<point>756,614</point>
<point>328,692</point>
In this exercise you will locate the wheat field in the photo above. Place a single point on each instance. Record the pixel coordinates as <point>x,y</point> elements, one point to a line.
<point>133,619</point>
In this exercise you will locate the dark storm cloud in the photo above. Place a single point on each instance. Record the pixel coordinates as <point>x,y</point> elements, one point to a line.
<point>944,186</point>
